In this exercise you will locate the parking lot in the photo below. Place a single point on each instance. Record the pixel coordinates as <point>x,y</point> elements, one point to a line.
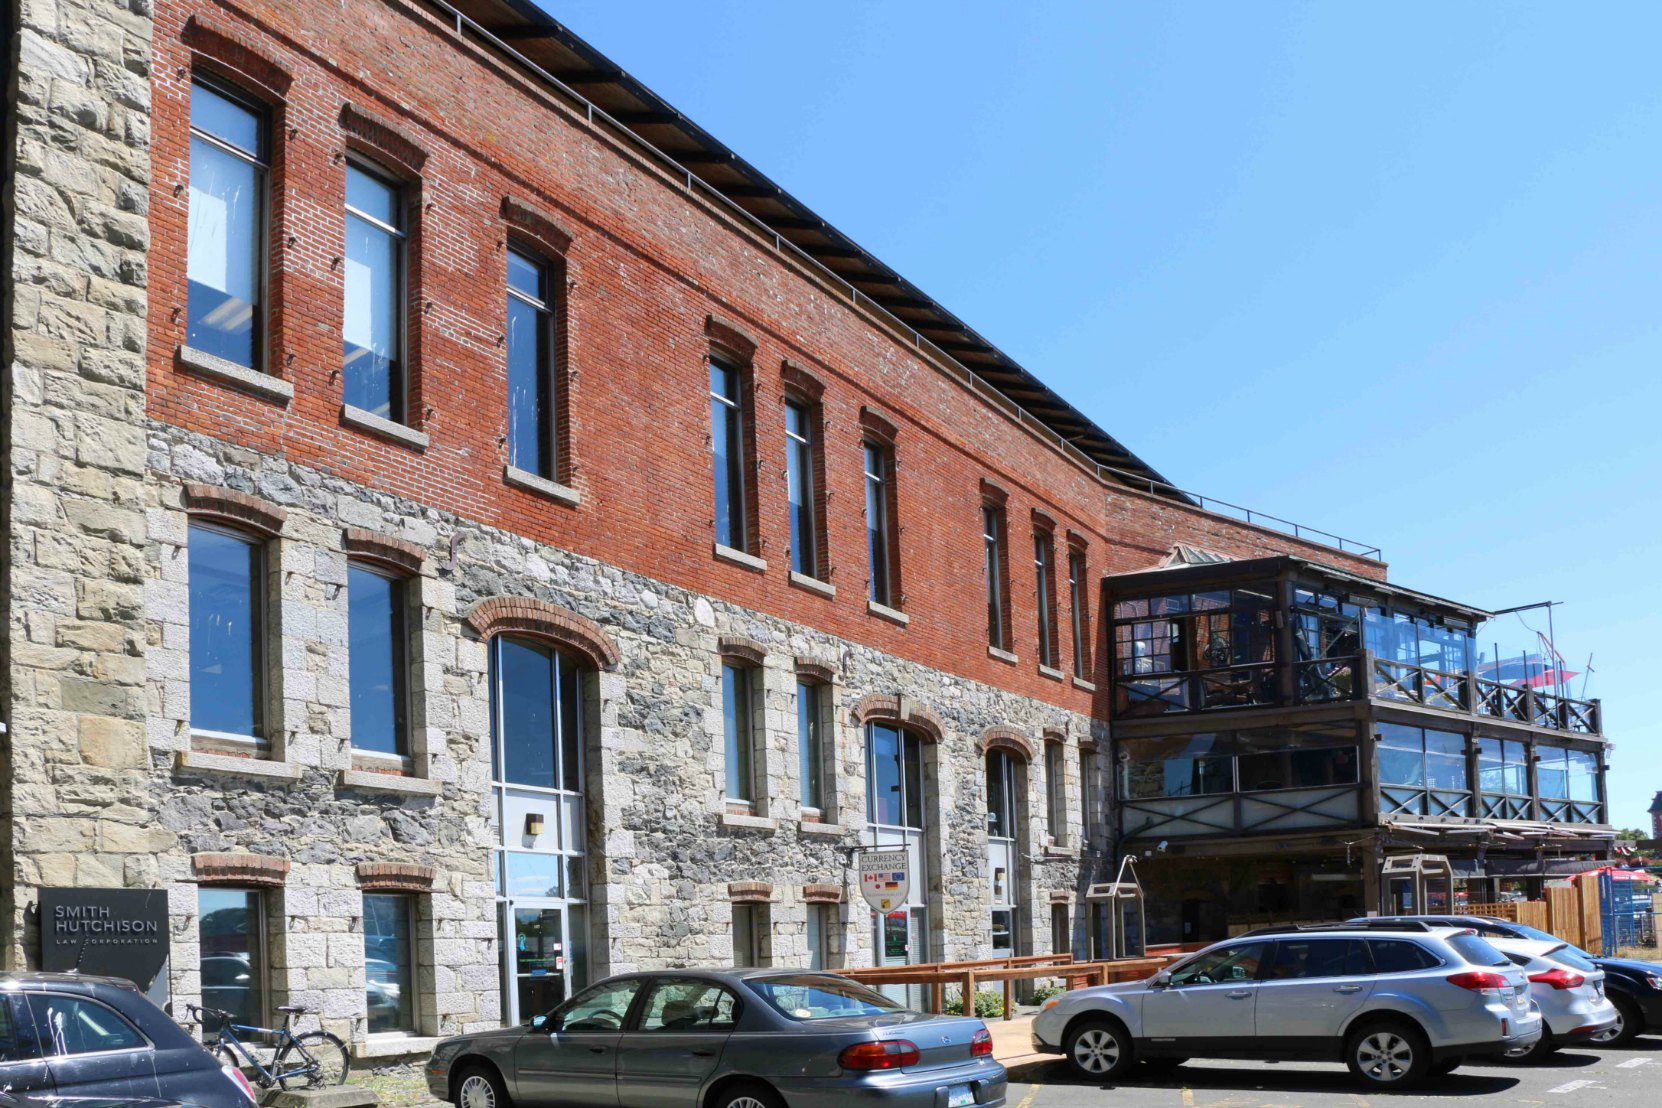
<point>1607,1078</point>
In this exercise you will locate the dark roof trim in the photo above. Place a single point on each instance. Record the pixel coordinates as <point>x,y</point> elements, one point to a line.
<point>526,29</point>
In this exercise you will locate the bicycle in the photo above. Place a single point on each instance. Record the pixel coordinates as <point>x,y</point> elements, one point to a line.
<point>312,1060</point>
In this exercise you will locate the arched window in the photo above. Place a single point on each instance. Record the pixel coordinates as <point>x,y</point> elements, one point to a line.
<point>1003,851</point>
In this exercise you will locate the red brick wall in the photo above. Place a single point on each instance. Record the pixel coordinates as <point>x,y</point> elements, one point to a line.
<point>645,267</point>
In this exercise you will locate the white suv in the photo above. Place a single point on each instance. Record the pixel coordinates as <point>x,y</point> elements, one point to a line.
<point>1393,1004</point>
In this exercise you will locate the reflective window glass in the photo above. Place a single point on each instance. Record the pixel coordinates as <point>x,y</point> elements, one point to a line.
<point>1077,612</point>
<point>1583,771</point>
<point>1400,956</point>
<point>375,630</point>
<point>389,976</point>
<point>373,323</point>
<point>877,523</point>
<point>1306,958</point>
<point>232,960</point>
<point>78,1025</point>
<point>688,1005</point>
<point>808,744</point>
<point>1234,963</point>
<point>894,787</point>
<point>992,541</point>
<point>530,341</point>
<point>799,488</point>
<point>736,708</point>
<point>1001,795</point>
<point>727,440</point>
<point>538,715</point>
<point>602,1008</point>
<point>1043,554</point>
<point>224,265</point>
<point>226,656</point>
<point>1297,768</point>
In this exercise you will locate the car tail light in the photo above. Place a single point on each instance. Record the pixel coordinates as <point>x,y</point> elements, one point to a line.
<point>982,1045</point>
<point>241,1082</point>
<point>892,1054</point>
<point>1481,981</point>
<point>1559,979</point>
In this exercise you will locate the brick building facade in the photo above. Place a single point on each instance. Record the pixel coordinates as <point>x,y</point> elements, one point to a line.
<point>461,874</point>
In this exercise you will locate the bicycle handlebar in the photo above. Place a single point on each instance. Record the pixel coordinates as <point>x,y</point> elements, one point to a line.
<point>218,1013</point>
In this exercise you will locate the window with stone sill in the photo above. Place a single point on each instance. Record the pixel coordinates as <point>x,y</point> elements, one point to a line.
<point>389,963</point>
<point>1056,785</point>
<point>374,346</point>
<point>729,442</point>
<point>1079,616</point>
<point>740,686</point>
<point>231,934</point>
<point>824,948</point>
<point>228,647</point>
<point>1044,587</point>
<point>815,725</point>
<point>378,660</point>
<point>533,438</point>
<point>802,492</point>
<point>225,266</point>
<point>995,572</point>
<point>752,927</point>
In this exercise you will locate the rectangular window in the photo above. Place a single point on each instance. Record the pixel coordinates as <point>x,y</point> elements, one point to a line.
<point>894,786</point>
<point>373,326</point>
<point>727,440</point>
<point>736,710</point>
<point>376,640</point>
<point>389,962</point>
<point>1003,928</point>
<point>992,540</point>
<point>799,485</point>
<point>538,703</point>
<point>532,442</point>
<point>808,743</point>
<point>1061,938</point>
<point>1043,554</point>
<point>822,924</point>
<point>226,633</point>
<point>1297,769</point>
<point>750,925</point>
<point>231,926</point>
<point>225,251</point>
<point>1087,814</point>
<point>1057,784</point>
<point>877,524</point>
<point>1077,613</point>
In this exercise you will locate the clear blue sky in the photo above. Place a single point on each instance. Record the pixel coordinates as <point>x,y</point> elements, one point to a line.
<point>1391,270</point>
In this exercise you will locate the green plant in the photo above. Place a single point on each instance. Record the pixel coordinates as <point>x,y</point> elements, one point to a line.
<point>1045,992</point>
<point>988,1005</point>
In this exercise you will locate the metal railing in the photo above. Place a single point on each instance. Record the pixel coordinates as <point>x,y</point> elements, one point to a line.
<point>465,24</point>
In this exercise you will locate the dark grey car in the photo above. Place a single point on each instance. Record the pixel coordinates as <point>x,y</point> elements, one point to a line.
<point>746,1038</point>
<point>70,1036</point>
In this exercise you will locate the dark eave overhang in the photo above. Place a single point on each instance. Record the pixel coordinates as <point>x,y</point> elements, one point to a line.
<point>548,44</point>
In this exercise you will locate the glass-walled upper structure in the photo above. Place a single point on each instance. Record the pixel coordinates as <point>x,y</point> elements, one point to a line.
<point>1277,695</point>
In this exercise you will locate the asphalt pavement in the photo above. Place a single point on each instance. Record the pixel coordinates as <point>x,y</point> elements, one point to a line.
<point>1575,1077</point>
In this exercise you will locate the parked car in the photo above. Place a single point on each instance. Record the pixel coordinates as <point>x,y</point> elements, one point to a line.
<point>720,1038</point>
<point>1394,1006</point>
<point>1634,987</point>
<point>64,1035</point>
<point>1568,988</point>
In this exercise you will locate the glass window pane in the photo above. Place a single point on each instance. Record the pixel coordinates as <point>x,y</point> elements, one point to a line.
<point>372,327</point>
<point>374,197</point>
<point>375,630</point>
<point>571,730</point>
<point>225,655</point>
<point>799,489</point>
<point>388,963</point>
<point>992,563</point>
<point>727,443</point>
<point>526,274</point>
<point>688,1005</point>
<point>1583,771</point>
<point>1001,817</point>
<point>877,523</point>
<point>230,121</point>
<point>530,389</point>
<point>736,709</point>
<point>525,688</point>
<point>74,1025</point>
<point>223,254</point>
<point>1041,570</point>
<point>883,801</point>
<point>534,874</point>
<point>232,952</point>
<point>911,753</point>
<point>808,743</point>
<point>602,1008</point>
<point>1552,773</point>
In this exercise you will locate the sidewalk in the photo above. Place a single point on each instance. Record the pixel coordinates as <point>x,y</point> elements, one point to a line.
<point>1013,1042</point>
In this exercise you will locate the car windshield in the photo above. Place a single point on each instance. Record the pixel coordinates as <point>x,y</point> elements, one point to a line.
<point>1477,951</point>
<point>817,997</point>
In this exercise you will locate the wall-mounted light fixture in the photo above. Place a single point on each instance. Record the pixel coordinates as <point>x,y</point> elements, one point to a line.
<point>533,824</point>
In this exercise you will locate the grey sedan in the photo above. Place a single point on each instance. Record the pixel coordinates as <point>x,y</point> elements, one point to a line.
<point>745,1038</point>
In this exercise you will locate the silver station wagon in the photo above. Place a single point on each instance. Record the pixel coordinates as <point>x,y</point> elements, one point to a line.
<point>719,1038</point>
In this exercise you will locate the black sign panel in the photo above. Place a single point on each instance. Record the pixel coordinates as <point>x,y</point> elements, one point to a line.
<point>109,932</point>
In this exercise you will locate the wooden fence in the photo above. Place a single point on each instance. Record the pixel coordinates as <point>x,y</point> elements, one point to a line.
<point>1571,913</point>
<point>936,976</point>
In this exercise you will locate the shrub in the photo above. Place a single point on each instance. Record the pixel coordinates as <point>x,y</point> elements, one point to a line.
<point>1045,992</point>
<point>988,1005</point>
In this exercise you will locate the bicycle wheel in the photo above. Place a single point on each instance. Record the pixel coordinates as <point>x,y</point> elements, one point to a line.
<point>225,1056</point>
<point>328,1066</point>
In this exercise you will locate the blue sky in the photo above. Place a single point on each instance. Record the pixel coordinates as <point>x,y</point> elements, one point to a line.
<point>1394,271</point>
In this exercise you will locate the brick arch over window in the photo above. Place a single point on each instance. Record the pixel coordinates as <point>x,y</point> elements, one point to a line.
<point>539,619</point>
<point>901,710</point>
<point>235,509</point>
<point>1008,740</point>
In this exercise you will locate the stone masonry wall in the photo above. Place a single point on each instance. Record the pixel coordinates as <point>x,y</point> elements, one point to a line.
<point>77,200</point>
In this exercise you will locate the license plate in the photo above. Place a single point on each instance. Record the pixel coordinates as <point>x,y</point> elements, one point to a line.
<point>959,1096</point>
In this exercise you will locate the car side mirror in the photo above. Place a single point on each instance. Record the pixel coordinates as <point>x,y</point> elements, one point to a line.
<point>1161,980</point>
<point>539,1023</point>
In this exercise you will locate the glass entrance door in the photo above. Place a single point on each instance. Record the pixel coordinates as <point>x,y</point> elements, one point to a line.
<point>536,958</point>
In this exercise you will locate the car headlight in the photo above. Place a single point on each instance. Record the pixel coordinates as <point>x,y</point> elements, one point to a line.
<point>1654,981</point>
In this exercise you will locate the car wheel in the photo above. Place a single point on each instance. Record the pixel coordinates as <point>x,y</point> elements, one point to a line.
<point>1388,1055</point>
<point>1099,1048</point>
<point>1629,1022</point>
<point>1535,1052</point>
<point>481,1087</point>
<point>748,1096</point>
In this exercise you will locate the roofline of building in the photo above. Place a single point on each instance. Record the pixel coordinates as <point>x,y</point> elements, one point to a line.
<point>661,126</point>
